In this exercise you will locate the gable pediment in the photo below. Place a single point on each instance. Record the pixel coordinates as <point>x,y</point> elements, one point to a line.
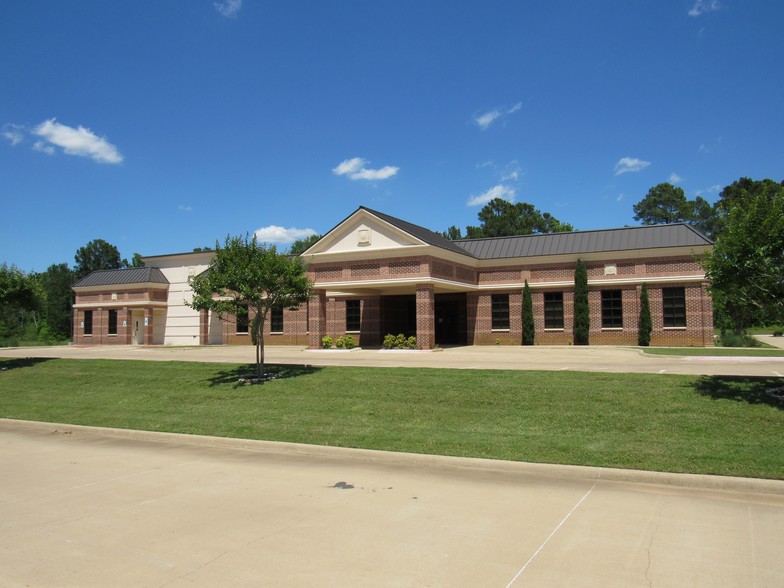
<point>362,232</point>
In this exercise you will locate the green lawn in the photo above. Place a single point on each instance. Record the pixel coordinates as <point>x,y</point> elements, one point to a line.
<point>715,351</point>
<point>715,425</point>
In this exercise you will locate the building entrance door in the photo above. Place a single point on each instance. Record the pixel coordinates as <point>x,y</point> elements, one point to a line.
<point>451,323</point>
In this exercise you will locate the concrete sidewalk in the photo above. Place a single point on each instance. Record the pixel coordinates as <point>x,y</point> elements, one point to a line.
<point>556,358</point>
<point>88,507</point>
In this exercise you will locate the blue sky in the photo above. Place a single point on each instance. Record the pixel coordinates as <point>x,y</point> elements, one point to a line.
<point>161,126</point>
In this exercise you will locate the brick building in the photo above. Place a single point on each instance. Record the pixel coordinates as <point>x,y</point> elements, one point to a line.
<point>374,274</point>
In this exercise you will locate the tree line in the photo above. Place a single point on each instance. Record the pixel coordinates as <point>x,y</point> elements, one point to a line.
<point>37,306</point>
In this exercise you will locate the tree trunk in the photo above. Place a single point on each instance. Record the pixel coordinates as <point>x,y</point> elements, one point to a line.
<point>259,326</point>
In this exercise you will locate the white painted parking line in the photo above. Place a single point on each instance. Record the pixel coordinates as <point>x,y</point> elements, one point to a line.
<point>574,508</point>
<point>662,371</point>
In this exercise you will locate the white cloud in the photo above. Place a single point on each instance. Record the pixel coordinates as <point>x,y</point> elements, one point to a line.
<point>228,8</point>
<point>355,169</point>
<point>43,148</point>
<point>511,172</point>
<point>275,234</point>
<point>184,208</point>
<point>630,164</point>
<point>14,133</point>
<point>703,6</point>
<point>383,173</point>
<point>620,197</point>
<point>675,178</point>
<point>483,121</point>
<point>500,191</point>
<point>79,141</point>
<point>714,189</point>
<point>486,119</point>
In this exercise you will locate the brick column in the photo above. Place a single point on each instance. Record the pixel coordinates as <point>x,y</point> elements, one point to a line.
<point>148,326</point>
<point>317,319</point>
<point>127,319</point>
<point>204,326</point>
<point>425,316</point>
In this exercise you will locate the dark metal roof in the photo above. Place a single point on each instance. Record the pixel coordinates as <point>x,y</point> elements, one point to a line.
<point>581,242</point>
<point>421,233</point>
<point>134,275</point>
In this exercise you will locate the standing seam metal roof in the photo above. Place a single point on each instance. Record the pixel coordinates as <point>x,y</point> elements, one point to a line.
<point>580,242</point>
<point>135,275</point>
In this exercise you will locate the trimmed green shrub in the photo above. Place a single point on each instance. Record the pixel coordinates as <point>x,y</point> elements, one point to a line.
<point>399,342</point>
<point>345,342</point>
<point>326,342</point>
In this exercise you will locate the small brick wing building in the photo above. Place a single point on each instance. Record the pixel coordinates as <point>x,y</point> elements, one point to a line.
<point>374,274</point>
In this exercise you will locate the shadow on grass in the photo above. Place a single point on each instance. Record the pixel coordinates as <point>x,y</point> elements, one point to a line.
<point>233,374</point>
<point>22,362</point>
<point>752,390</point>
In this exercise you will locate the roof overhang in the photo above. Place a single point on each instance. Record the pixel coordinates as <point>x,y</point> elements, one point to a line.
<point>120,287</point>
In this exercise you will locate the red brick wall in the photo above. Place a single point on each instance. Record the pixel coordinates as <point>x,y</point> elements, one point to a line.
<point>100,335</point>
<point>295,329</point>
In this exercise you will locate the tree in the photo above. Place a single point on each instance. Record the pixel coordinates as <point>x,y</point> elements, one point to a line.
<point>453,233</point>
<point>57,300</point>
<point>529,331</point>
<point>666,204</point>
<point>136,260</point>
<point>97,255</point>
<point>746,266</point>
<point>663,204</point>
<point>645,324</point>
<point>17,296</point>
<point>582,317</point>
<point>500,218</point>
<point>299,246</point>
<point>248,277</point>
<point>16,288</point>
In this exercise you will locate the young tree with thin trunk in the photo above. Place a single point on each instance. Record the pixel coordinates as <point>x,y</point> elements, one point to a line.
<point>248,277</point>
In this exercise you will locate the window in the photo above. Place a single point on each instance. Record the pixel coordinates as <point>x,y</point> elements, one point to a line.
<point>88,322</point>
<point>276,320</point>
<point>242,322</point>
<point>553,310</point>
<point>500,303</point>
<point>612,309</point>
<point>112,322</point>
<point>352,315</point>
<point>674,307</point>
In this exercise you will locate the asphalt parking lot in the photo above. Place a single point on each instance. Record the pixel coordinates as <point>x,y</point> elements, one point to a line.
<point>90,507</point>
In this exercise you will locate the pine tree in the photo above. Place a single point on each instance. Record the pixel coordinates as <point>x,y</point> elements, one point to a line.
<point>645,325</point>
<point>582,319</point>
<point>529,332</point>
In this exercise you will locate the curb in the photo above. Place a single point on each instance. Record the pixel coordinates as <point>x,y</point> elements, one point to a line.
<point>373,456</point>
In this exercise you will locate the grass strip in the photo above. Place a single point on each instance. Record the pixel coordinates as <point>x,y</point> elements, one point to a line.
<point>714,351</point>
<point>710,425</point>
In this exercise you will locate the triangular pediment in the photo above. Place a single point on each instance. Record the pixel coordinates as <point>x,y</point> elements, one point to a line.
<point>364,232</point>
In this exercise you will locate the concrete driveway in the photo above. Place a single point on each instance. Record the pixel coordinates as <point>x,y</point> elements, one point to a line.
<point>92,507</point>
<point>589,359</point>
